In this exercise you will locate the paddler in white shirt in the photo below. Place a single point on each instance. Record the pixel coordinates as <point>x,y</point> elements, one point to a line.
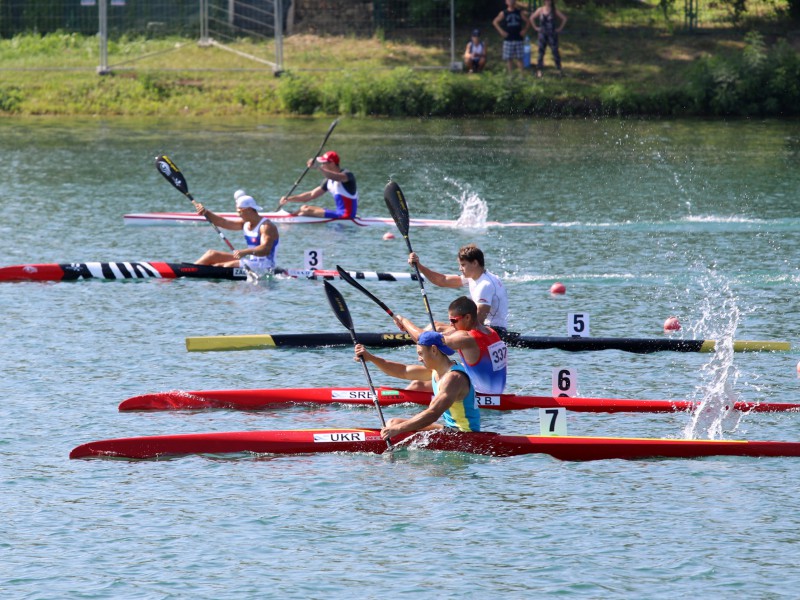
<point>454,394</point>
<point>484,354</point>
<point>485,288</point>
<point>260,234</point>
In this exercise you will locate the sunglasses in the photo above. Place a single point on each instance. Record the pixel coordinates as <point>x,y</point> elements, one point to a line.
<point>454,320</point>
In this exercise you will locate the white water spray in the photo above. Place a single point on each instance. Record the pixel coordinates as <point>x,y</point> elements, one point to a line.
<point>719,320</point>
<point>474,210</point>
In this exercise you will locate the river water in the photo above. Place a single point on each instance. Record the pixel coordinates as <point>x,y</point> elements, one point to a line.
<point>640,221</point>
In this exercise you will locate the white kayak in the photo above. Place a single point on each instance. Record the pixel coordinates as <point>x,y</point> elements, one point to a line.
<point>279,217</point>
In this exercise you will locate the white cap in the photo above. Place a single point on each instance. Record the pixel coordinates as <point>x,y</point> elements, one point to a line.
<point>238,193</point>
<point>246,201</point>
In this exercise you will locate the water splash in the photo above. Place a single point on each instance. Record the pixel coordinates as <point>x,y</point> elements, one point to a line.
<point>474,210</point>
<point>720,317</point>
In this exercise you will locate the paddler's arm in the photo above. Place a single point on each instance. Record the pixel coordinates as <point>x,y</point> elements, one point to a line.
<point>392,368</point>
<point>483,312</point>
<point>216,219</point>
<point>449,281</point>
<point>407,326</point>
<point>305,196</point>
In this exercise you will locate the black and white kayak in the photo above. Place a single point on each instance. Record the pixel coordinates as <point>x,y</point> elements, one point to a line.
<point>114,271</point>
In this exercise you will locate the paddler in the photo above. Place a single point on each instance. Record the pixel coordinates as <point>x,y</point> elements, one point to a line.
<point>485,288</point>
<point>260,234</point>
<point>340,183</point>
<point>484,354</point>
<point>454,395</point>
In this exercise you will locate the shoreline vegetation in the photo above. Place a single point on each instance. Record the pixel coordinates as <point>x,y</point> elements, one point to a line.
<point>628,67</point>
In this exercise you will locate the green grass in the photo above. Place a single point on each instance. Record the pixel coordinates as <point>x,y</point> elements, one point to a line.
<point>627,59</point>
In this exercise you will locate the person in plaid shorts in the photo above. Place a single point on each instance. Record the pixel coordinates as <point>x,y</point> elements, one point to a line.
<point>512,23</point>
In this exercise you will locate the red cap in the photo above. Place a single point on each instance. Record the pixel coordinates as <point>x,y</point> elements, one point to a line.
<point>329,157</point>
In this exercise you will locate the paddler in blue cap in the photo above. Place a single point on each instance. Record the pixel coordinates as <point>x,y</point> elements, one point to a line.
<point>453,393</point>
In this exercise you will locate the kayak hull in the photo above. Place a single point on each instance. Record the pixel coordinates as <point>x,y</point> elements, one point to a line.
<point>116,271</point>
<point>285,218</point>
<point>311,441</point>
<point>260,399</point>
<point>392,340</point>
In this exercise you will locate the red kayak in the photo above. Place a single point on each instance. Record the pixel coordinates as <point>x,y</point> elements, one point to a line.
<point>310,441</point>
<point>276,398</point>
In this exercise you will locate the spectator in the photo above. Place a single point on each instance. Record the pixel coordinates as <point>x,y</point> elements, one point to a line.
<point>514,25</point>
<point>475,53</point>
<point>548,34</point>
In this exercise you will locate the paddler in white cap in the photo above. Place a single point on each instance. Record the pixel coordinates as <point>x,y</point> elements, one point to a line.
<point>453,392</point>
<point>260,234</point>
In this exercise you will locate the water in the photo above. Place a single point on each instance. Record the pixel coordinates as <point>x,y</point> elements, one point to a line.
<point>642,220</point>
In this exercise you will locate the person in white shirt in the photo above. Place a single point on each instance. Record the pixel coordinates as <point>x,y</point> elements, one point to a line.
<point>485,288</point>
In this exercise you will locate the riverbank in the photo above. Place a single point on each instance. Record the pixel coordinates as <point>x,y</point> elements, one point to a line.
<point>633,67</point>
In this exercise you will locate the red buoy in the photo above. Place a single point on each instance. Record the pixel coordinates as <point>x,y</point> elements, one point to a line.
<point>558,288</point>
<point>388,235</point>
<point>672,324</point>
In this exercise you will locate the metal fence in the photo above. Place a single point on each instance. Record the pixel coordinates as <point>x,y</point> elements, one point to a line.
<point>223,24</point>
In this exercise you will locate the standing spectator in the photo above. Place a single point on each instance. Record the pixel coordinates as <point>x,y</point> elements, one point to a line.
<point>515,23</point>
<point>548,34</point>
<point>475,53</point>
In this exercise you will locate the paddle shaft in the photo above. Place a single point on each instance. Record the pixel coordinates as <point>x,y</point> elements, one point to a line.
<point>349,279</point>
<point>321,146</point>
<point>396,203</point>
<point>342,313</point>
<point>173,174</point>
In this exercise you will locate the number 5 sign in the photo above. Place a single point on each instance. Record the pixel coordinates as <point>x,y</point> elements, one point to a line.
<point>578,325</point>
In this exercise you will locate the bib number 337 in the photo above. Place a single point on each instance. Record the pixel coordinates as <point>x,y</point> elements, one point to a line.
<point>499,355</point>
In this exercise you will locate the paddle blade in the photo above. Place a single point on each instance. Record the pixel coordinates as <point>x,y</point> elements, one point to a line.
<point>338,305</point>
<point>396,203</point>
<point>172,174</point>
<point>349,279</point>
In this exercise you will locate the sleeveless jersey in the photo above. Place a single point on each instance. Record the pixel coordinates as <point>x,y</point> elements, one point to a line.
<point>253,239</point>
<point>488,373</point>
<point>476,48</point>
<point>346,196</point>
<point>464,415</point>
<point>513,24</point>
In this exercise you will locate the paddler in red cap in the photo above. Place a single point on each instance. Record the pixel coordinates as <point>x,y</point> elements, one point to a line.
<point>340,183</point>
<point>453,393</point>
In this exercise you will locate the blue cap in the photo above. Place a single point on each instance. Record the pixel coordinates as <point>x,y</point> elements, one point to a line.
<point>434,338</point>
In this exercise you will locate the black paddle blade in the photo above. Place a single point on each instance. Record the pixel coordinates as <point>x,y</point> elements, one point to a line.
<point>339,306</point>
<point>172,174</point>
<point>349,279</point>
<point>396,203</point>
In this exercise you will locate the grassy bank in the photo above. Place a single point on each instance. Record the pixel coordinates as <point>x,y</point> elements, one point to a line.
<point>621,61</point>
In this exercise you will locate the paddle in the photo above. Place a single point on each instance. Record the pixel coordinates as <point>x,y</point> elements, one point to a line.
<point>339,307</point>
<point>396,203</point>
<point>321,146</point>
<point>173,174</point>
<point>349,279</point>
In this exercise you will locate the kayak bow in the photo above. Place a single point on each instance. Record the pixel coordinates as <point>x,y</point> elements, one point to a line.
<point>311,441</point>
<point>387,396</point>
